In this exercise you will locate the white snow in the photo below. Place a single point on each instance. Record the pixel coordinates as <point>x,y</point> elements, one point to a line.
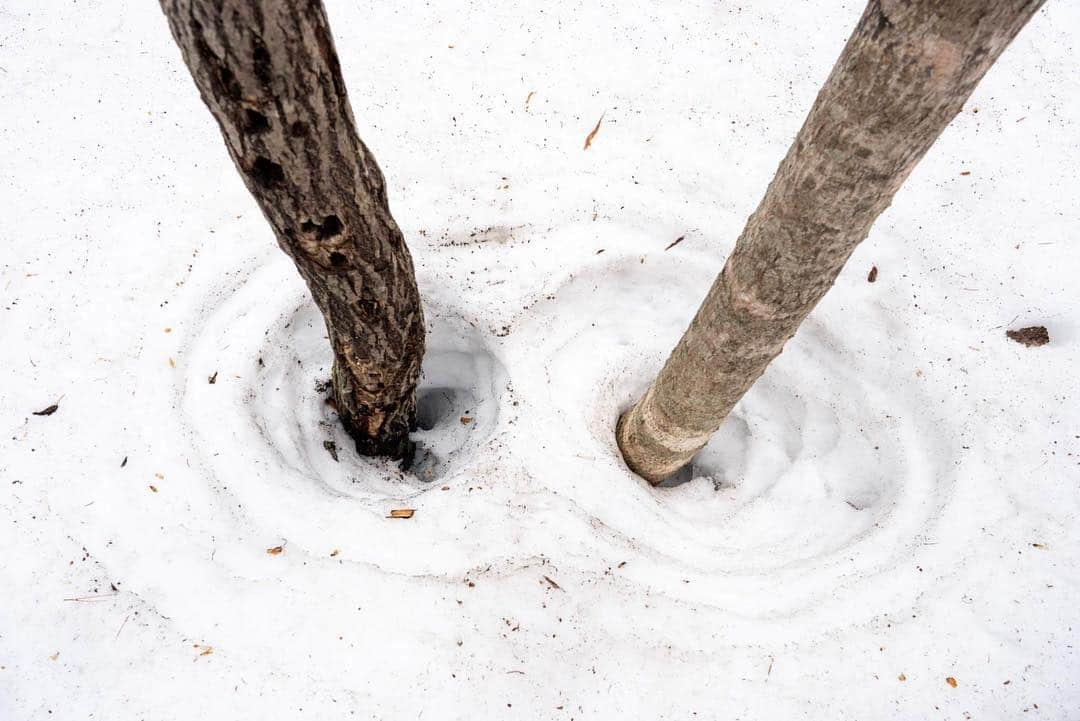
<point>896,502</point>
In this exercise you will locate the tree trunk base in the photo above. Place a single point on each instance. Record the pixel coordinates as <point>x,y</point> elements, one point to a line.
<point>644,449</point>
<point>378,425</point>
<point>395,446</point>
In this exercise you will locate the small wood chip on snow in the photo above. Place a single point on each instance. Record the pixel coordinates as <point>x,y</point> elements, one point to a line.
<point>402,513</point>
<point>590,136</point>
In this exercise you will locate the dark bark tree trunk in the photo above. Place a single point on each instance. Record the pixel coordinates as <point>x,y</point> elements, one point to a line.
<point>268,72</point>
<point>903,75</point>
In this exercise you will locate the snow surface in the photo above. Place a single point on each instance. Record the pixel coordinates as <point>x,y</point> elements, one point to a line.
<point>894,504</point>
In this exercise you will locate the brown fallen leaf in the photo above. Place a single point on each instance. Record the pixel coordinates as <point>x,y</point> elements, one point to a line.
<point>275,550</point>
<point>334,553</point>
<point>902,677</point>
<point>54,656</point>
<point>204,649</point>
<point>951,681</point>
<point>591,135</point>
<point>529,98</point>
<point>1043,546</point>
<point>168,329</point>
<point>47,411</point>
<point>966,172</point>
<point>872,275</point>
<point>402,513</point>
<point>153,488</point>
<point>465,420</point>
<point>172,363</point>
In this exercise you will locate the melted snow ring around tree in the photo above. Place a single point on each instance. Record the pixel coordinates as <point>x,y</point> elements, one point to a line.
<point>276,453</point>
<point>818,483</point>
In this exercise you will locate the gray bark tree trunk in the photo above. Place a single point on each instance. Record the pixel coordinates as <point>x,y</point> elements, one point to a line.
<point>905,72</point>
<point>269,74</point>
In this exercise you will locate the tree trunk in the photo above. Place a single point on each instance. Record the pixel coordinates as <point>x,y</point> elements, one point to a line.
<point>269,74</point>
<point>903,75</point>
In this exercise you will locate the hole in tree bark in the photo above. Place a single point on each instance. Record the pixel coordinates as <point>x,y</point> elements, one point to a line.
<point>298,129</point>
<point>222,80</point>
<point>329,228</point>
<point>255,122</point>
<point>368,306</point>
<point>337,259</point>
<point>267,173</point>
<point>260,59</point>
<point>227,84</point>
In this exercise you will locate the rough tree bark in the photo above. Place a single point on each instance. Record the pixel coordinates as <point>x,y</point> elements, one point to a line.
<point>269,74</point>
<point>903,75</point>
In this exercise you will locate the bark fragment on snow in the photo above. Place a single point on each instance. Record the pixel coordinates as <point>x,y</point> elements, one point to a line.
<point>1034,335</point>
